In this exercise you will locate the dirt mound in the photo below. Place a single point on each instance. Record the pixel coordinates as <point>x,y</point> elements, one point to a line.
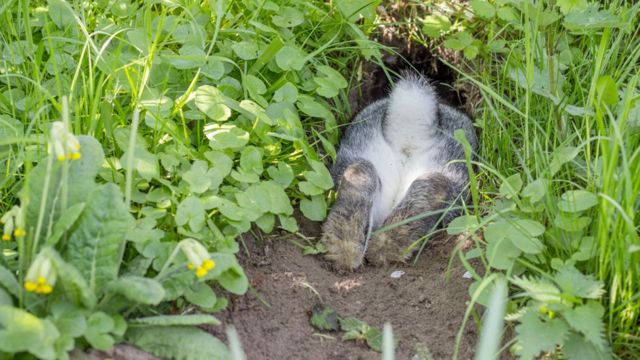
<point>423,306</point>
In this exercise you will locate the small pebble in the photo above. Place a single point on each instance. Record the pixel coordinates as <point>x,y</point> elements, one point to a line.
<point>467,275</point>
<point>397,274</point>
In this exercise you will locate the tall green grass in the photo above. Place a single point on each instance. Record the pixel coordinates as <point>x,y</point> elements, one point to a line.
<point>584,98</point>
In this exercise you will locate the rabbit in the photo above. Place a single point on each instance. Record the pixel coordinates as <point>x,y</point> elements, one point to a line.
<point>395,161</point>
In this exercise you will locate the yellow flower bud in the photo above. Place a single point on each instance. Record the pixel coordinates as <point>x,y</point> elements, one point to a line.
<point>30,286</point>
<point>6,237</point>
<point>208,264</point>
<point>75,156</point>
<point>200,272</point>
<point>19,232</point>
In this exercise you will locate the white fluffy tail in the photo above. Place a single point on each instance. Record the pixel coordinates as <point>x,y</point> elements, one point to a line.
<point>412,110</point>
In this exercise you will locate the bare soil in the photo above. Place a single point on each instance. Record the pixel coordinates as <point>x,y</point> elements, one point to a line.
<point>425,306</point>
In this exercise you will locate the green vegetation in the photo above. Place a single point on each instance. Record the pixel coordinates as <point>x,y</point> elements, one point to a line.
<point>139,140</point>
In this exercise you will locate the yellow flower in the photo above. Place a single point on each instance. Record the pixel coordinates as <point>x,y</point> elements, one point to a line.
<point>62,143</point>
<point>198,256</point>
<point>41,276</point>
<point>13,219</point>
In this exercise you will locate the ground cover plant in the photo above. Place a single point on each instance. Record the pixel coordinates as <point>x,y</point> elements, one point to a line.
<point>140,140</point>
<point>557,210</point>
<point>200,119</point>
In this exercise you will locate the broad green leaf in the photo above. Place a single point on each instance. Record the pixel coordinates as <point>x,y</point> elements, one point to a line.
<point>460,41</point>
<point>61,13</point>
<point>290,58</point>
<point>311,107</point>
<point>501,252</point>
<point>330,83</point>
<point>577,200</point>
<point>483,8</point>
<point>535,190</point>
<point>536,337</point>
<point>80,183</point>
<point>462,224</point>
<point>607,90</point>
<point>573,282</point>
<point>315,208</point>
<point>201,294</point>
<point>567,6</point>
<point>288,17</point>
<point>590,18</point>
<point>587,319</point>
<point>140,290</point>
<point>562,155</point>
<point>99,325</point>
<point>73,284</point>
<point>511,186</point>
<point>94,245</point>
<point>198,177</point>
<point>571,222</point>
<point>286,93</point>
<point>245,50</point>
<point>266,222</point>
<point>374,339</point>
<point>288,223</point>
<point>576,347</point>
<point>320,176</point>
<point>282,174</point>
<point>308,188</point>
<point>251,159</point>
<point>191,211</point>
<point>352,10</point>
<point>177,342</point>
<point>144,162</point>
<point>523,234</point>
<point>436,24</point>
<point>5,298</point>
<point>188,57</point>
<point>173,320</point>
<point>211,101</point>
<point>225,136</point>
<point>279,201</point>
<point>8,281</point>
<point>538,288</point>
<point>21,331</point>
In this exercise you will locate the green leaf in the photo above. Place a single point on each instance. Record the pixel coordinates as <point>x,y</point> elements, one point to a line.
<point>282,174</point>
<point>8,281</point>
<point>352,10</point>
<point>81,179</point>
<point>279,201</point>
<point>374,339</point>
<point>567,5</point>
<point>288,17</point>
<point>511,186</point>
<point>177,342</point>
<point>577,200</point>
<point>65,222</point>
<point>607,90</point>
<point>189,57</point>
<point>173,320</point>
<point>324,317</point>
<point>462,224</point>
<point>144,162</point>
<point>225,136</point>
<point>212,102</point>
<point>99,325</point>
<point>61,13</point>
<point>535,190</point>
<point>573,282</point>
<point>229,273</point>
<point>501,252</point>
<point>587,319</point>
<point>290,58</point>
<point>523,234</point>
<point>436,24</point>
<point>191,211</point>
<point>201,294</point>
<point>286,93</point>
<point>314,209</point>
<point>197,177</point>
<point>288,223</point>
<point>460,41</point>
<point>74,285</point>
<point>21,331</point>
<point>483,8</point>
<point>536,336</point>
<point>251,159</point>
<point>320,176</point>
<point>538,288</point>
<point>576,347</point>
<point>590,18</point>
<point>330,83</point>
<point>571,222</point>
<point>138,289</point>
<point>562,155</point>
<point>94,245</point>
<point>245,50</point>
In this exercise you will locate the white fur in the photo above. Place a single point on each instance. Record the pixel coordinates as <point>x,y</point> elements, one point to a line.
<point>408,152</point>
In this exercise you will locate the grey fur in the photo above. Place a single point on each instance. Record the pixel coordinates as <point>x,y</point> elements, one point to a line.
<point>348,228</point>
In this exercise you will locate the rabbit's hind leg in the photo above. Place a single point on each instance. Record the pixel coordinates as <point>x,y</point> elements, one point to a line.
<point>429,193</point>
<point>346,229</point>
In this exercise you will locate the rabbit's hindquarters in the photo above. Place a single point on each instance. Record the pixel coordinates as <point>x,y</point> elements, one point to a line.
<point>427,194</point>
<point>347,228</point>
